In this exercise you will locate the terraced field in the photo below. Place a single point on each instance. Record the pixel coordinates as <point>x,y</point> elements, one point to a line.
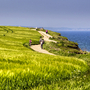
<point>21,68</point>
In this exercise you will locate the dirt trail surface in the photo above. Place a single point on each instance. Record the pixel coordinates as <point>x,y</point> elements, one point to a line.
<point>38,47</point>
<point>46,36</point>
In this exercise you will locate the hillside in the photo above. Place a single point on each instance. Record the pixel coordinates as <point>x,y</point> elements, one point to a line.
<point>21,68</point>
<point>63,47</point>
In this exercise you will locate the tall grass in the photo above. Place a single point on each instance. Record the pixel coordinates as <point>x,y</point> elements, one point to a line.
<point>22,68</point>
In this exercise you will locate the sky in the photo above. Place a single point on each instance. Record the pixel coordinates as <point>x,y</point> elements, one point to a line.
<point>45,13</point>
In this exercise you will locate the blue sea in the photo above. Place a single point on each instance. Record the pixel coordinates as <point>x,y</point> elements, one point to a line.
<point>75,35</point>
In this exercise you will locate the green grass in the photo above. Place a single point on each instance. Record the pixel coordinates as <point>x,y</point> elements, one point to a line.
<point>21,68</point>
<point>61,48</point>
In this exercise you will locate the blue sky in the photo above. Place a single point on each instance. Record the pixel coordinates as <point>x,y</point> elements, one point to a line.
<point>45,13</point>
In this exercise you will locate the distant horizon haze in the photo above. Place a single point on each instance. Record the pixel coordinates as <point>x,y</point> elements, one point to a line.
<point>57,28</point>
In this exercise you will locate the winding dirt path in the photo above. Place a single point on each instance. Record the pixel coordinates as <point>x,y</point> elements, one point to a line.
<point>46,36</point>
<point>38,47</point>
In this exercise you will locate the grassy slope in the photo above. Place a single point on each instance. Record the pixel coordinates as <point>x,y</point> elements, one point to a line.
<point>81,82</point>
<point>23,68</point>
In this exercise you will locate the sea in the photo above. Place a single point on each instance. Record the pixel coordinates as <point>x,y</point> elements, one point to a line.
<point>79,35</point>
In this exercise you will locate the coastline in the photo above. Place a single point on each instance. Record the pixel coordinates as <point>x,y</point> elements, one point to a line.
<point>83,46</point>
<point>81,37</point>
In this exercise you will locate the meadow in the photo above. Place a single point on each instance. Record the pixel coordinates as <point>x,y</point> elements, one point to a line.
<point>21,68</point>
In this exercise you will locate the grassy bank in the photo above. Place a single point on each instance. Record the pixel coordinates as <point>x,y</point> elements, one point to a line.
<point>21,68</point>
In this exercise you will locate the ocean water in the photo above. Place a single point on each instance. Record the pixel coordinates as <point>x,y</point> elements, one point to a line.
<point>81,37</point>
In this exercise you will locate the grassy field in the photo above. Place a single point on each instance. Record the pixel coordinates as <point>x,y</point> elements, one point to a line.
<point>21,68</point>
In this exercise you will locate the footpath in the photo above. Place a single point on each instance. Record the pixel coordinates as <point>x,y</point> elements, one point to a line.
<point>38,47</point>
